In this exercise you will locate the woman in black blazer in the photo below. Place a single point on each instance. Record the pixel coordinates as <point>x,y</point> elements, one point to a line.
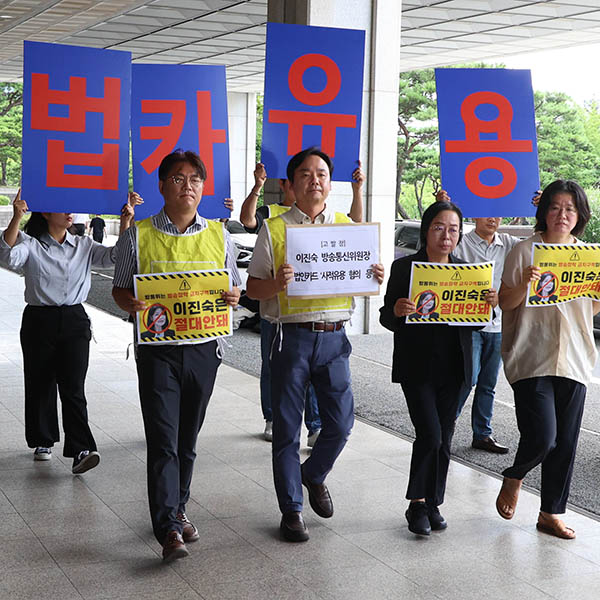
<point>430,362</point>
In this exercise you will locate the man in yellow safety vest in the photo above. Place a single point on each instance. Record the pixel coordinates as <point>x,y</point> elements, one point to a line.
<point>310,345</point>
<point>176,378</point>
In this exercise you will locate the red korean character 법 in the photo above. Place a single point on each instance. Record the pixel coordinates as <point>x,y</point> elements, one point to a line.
<point>79,104</point>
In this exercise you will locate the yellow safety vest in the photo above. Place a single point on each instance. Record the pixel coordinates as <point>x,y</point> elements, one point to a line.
<point>277,209</point>
<point>294,306</point>
<point>160,252</point>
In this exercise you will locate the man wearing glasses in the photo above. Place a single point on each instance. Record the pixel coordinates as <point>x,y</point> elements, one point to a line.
<point>176,379</point>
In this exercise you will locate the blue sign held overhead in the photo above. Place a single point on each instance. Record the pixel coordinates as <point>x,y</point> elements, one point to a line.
<point>75,128</point>
<point>313,95</point>
<point>488,146</point>
<point>180,106</point>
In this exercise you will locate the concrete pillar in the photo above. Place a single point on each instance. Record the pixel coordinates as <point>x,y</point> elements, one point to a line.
<point>381,21</point>
<point>242,140</point>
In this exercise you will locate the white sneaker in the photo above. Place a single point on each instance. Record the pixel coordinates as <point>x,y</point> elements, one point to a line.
<point>268,434</point>
<point>41,453</point>
<point>312,438</point>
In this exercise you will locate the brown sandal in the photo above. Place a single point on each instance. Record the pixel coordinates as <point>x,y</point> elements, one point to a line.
<point>554,527</point>
<point>506,503</point>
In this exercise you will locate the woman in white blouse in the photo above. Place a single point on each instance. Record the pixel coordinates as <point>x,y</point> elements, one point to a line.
<point>55,330</point>
<point>549,354</point>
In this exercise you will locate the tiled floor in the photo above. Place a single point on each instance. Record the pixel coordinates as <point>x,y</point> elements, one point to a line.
<point>89,537</point>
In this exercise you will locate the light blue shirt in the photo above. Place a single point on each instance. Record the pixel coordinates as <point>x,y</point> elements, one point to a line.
<point>55,274</point>
<point>475,249</point>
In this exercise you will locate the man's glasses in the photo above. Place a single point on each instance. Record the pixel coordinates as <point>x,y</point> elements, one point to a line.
<point>194,180</point>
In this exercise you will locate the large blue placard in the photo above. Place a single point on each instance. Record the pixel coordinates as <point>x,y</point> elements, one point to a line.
<point>488,146</point>
<point>313,95</point>
<point>75,128</point>
<point>180,106</point>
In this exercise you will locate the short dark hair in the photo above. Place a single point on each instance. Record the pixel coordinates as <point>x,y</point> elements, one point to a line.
<point>431,213</point>
<point>579,199</point>
<point>299,158</point>
<point>178,155</point>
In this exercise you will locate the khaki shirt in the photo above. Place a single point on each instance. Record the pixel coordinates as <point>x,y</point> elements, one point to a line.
<point>261,267</point>
<point>540,341</point>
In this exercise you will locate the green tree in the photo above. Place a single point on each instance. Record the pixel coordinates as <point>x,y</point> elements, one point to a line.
<point>564,148</point>
<point>422,172</point>
<point>259,124</point>
<point>417,132</point>
<point>592,124</point>
<point>11,112</point>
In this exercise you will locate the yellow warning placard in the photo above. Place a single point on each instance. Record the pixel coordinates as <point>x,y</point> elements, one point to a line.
<point>183,307</point>
<point>568,271</point>
<point>451,293</point>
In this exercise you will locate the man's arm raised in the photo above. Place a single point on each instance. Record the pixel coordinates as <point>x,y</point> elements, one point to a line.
<point>248,210</point>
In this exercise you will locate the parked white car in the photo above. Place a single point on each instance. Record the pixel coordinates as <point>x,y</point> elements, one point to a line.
<point>244,242</point>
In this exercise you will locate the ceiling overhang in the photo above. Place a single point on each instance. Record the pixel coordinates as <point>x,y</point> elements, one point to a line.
<point>232,33</point>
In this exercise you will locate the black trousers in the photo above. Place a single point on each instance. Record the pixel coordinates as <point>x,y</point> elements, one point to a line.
<point>432,407</point>
<point>549,412</point>
<point>56,346</point>
<point>175,385</point>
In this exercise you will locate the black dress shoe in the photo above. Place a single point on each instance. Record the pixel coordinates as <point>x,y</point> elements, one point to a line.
<point>293,528</point>
<point>436,520</point>
<point>489,444</point>
<point>318,496</point>
<point>417,516</point>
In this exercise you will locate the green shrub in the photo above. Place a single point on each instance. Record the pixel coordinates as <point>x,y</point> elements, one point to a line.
<point>592,230</point>
<point>4,200</point>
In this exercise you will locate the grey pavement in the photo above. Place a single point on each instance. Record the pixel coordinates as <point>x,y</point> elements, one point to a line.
<point>381,402</point>
<point>89,537</point>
